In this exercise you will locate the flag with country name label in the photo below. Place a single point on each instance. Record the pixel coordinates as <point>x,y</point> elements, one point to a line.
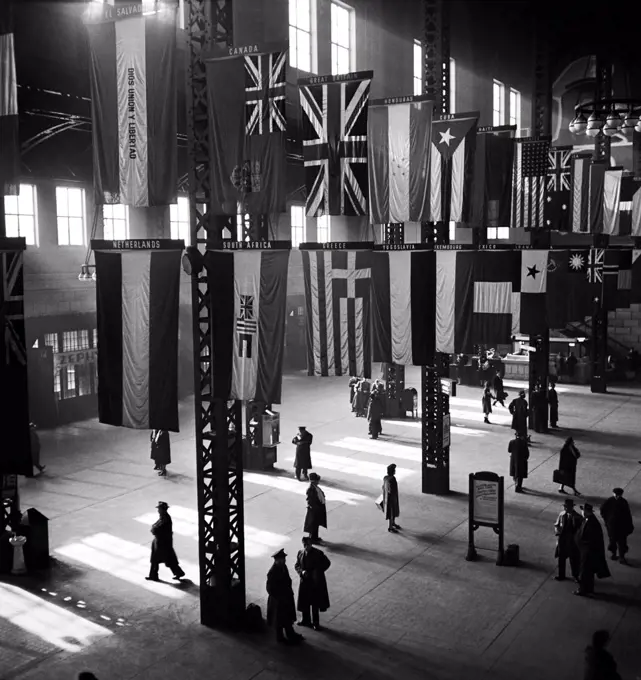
<point>398,159</point>
<point>529,308</point>
<point>338,302</point>
<point>9,137</point>
<point>529,183</point>
<point>133,69</point>
<point>137,298</point>
<point>452,167</point>
<point>247,132</point>
<point>557,199</point>
<point>248,317</point>
<point>403,308</point>
<point>15,452</point>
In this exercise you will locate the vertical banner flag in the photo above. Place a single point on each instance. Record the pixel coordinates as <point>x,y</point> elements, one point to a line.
<point>132,64</point>
<point>630,187</point>
<point>529,316</point>
<point>403,306</point>
<point>635,207</point>
<point>635,292</point>
<point>611,200</point>
<point>617,278</point>
<point>137,297</point>
<point>624,279</point>
<point>247,130</point>
<point>398,132</point>
<point>580,191</point>
<point>493,179</point>
<point>557,200</point>
<point>529,183</point>
<point>597,193</point>
<point>9,138</point>
<point>570,287</point>
<point>335,116</point>
<point>15,452</point>
<point>452,167</point>
<point>248,316</point>
<point>474,298</point>
<point>338,295</point>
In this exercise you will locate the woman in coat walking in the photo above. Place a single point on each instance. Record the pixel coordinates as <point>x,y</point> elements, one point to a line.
<point>391,504</point>
<point>160,451</point>
<point>486,403</point>
<point>519,456</point>
<point>567,466</point>
<point>313,597</point>
<point>316,515</point>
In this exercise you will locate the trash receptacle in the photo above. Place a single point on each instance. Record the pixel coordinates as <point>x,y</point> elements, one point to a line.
<point>35,526</point>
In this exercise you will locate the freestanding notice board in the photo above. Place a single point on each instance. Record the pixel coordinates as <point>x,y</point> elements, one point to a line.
<point>485,510</point>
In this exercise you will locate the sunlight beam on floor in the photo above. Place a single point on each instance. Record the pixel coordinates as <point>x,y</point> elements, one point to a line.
<point>294,486</point>
<point>354,466</point>
<point>50,623</point>
<point>463,430</point>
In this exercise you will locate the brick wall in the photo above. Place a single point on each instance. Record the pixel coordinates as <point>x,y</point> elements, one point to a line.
<point>624,325</point>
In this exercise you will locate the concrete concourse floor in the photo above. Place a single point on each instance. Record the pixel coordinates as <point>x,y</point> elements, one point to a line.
<point>403,605</point>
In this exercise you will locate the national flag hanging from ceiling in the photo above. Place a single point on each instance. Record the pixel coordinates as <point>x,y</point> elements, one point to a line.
<point>137,298</point>
<point>635,291</point>
<point>452,167</point>
<point>570,290</point>
<point>529,314</point>
<point>581,164</point>
<point>617,278</point>
<point>474,298</point>
<point>529,183</point>
<point>15,452</point>
<point>338,298</point>
<point>557,200</point>
<point>630,206</point>
<point>403,311</point>
<point>624,279</point>
<point>247,132</point>
<point>611,201</point>
<point>132,64</point>
<point>398,159</point>
<point>492,181</point>
<point>335,115</point>
<point>248,316</point>
<point>9,137</point>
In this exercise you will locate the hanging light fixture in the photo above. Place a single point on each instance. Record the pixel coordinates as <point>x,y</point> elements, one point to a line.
<point>578,125</point>
<point>631,119</point>
<point>612,123</point>
<point>595,125</point>
<point>637,127</point>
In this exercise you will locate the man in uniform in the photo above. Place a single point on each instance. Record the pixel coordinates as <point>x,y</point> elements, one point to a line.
<point>316,515</point>
<point>162,548</point>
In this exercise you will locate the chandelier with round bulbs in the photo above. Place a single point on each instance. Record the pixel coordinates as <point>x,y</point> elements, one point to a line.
<point>610,116</point>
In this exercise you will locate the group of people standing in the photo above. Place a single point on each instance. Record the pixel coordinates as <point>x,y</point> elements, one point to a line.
<point>368,400</point>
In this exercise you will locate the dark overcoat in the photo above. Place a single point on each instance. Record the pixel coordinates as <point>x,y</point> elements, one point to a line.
<point>617,517</point>
<point>316,515</point>
<point>281,608</point>
<point>312,590</point>
<point>303,457</point>
<point>519,456</point>
<point>391,503</point>
<point>519,411</point>
<point>352,389</point>
<point>589,540</point>
<point>553,400</point>
<point>566,535</point>
<point>486,402</point>
<point>567,463</point>
<point>162,548</point>
<point>376,406</point>
<point>160,447</point>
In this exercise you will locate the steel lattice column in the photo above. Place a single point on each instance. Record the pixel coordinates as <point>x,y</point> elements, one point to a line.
<point>436,83</point>
<point>394,374</point>
<point>218,422</point>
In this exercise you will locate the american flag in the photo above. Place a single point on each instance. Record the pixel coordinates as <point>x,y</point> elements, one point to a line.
<point>335,143</point>
<point>265,81</point>
<point>557,201</point>
<point>530,169</point>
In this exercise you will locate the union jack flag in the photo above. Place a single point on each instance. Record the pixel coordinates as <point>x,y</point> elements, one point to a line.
<point>558,185</point>
<point>265,81</point>
<point>246,322</point>
<point>558,171</point>
<point>595,265</point>
<point>335,143</point>
<point>12,308</point>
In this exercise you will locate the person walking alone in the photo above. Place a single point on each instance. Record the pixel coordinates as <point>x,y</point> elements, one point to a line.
<point>553,400</point>
<point>391,505</point>
<point>568,459</point>
<point>281,608</point>
<point>303,458</point>
<point>35,447</point>
<point>313,597</point>
<point>316,515</point>
<point>162,548</point>
<point>519,456</point>
<point>519,410</point>
<point>592,562</point>
<point>160,451</point>
<point>618,522</point>
<point>499,390</point>
<point>486,403</point>
<point>567,524</point>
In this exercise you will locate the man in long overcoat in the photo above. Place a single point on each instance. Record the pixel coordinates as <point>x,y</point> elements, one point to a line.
<point>162,548</point>
<point>519,410</point>
<point>486,403</point>
<point>375,413</point>
<point>281,608</point>
<point>618,521</point>
<point>391,504</point>
<point>303,458</point>
<point>519,455</point>
<point>567,524</point>
<point>316,515</point>
<point>313,598</point>
<point>592,562</point>
<point>553,400</point>
<point>568,459</point>
<point>160,451</point>
<point>353,382</point>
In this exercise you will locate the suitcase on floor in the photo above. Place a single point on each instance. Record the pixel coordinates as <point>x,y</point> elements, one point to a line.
<point>511,557</point>
<point>558,477</point>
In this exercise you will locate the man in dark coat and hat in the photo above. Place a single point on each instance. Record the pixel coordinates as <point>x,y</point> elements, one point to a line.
<point>519,410</point>
<point>303,458</point>
<point>519,455</point>
<point>316,515</point>
<point>568,459</point>
<point>391,503</point>
<point>486,403</point>
<point>592,562</point>
<point>162,548</point>
<point>618,522</point>
<point>311,565</point>
<point>567,524</point>
<point>160,451</point>
<point>553,400</point>
<point>281,608</point>
<point>375,411</point>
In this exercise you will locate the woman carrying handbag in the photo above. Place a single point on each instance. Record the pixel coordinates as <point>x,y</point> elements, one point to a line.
<point>566,474</point>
